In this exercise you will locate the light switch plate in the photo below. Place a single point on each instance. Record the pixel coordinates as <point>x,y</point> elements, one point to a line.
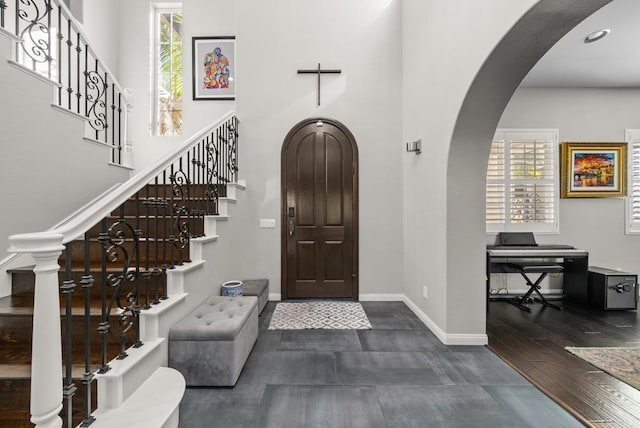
<point>268,223</point>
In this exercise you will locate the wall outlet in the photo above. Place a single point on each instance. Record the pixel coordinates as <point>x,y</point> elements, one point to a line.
<point>425,293</point>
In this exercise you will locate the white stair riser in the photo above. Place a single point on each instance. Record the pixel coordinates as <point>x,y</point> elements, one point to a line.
<point>126,375</point>
<point>155,322</point>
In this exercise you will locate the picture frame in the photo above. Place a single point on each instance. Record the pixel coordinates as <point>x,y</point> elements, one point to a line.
<point>214,68</point>
<point>593,170</point>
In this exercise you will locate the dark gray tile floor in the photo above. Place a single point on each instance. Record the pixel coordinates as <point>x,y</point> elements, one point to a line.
<point>396,375</point>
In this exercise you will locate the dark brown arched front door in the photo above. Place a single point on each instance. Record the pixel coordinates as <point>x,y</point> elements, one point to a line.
<point>319,211</point>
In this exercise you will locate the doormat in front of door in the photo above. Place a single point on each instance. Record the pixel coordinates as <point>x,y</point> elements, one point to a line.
<point>319,315</point>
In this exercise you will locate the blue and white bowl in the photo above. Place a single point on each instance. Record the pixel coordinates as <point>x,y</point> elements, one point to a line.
<point>232,288</point>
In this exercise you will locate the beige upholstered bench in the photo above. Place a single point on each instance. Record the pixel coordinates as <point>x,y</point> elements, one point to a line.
<point>211,345</point>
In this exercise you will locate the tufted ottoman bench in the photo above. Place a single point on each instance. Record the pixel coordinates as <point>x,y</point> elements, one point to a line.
<point>211,344</point>
<point>257,287</point>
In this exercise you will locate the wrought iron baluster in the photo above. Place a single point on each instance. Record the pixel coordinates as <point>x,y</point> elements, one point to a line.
<point>17,29</point>
<point>105,105</point>
<point>179,184</point>
<point>96,90</point>
<point>119,128</point>
<point>229,151</point>
<point>187,200</point>
<point>165,233</point>
<point>3,6</point>
<point>225,148</point>
<point>211,190</point>
<point>36,37</point>
<point>156,268</point>
<point>236,149</point>
<point>193,196</point>
<point>217,172</point>
<point>104,326</point>
<point>147,272</point>
<point>87,378</point>
<point>86,80</point>
<point>118,233</point>
<point>137,233</point>
<point>172,237</point>
<point>195,204</point>
<point>201,188</point>
<point>49,53</point>
<point>69,389</point>
<point>231,148</point>
<point>69,45</point>
<point>78,56</point>
<point>60,37</point>
<point>113,121</point>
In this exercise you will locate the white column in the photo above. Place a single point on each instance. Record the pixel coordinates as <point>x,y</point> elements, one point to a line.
<point>46,347</point>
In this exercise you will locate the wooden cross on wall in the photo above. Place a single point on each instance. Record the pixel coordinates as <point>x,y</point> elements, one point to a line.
<point>319,71</point>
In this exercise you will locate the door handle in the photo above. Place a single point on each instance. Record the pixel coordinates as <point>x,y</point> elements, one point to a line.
<point>291,214</point>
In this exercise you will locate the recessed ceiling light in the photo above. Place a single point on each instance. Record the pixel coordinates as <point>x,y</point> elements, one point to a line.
<point>596,35</point>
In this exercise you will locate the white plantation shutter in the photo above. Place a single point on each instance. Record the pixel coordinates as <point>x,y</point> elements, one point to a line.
<point>496,202</point>
<point>522,181</point>
<point>633,200</point>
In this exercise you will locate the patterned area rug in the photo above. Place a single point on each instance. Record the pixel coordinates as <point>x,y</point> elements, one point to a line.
<point>319,315</point>
<point>623,363</point>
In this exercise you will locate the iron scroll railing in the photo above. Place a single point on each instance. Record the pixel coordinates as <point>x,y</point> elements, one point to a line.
<point>53,45</point>
<point>123,260</point>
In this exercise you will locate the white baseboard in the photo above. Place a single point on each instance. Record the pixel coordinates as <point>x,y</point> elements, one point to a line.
<point>445,338</point>
<point>275,297</point>
<point>382,297</point>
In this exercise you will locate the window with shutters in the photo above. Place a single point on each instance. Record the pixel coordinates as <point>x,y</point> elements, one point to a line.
<point>522,181</point>
<point>632,137</point>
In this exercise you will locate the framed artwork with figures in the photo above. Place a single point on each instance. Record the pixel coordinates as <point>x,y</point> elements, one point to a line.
<point>214,68</point>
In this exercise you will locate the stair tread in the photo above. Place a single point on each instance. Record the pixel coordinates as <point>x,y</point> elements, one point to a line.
<point>23,371</point>
<point>22,304</point>
<point>20,354</point>
<point>138,411</point>
<point>15,371</point>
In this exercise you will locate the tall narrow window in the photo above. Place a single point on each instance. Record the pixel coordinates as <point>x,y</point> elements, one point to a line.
<point>168,72</point>
<point>522,189</point>
<point>633,200</point>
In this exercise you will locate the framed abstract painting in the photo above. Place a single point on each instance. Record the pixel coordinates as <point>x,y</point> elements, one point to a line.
<point>214,68</point>
<point>593,170</point>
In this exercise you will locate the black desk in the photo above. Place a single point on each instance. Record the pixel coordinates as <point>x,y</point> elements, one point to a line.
<point>575,265</point>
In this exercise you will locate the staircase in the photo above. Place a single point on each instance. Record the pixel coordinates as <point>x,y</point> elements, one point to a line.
<point>87,305</point>
<point>124,353</point>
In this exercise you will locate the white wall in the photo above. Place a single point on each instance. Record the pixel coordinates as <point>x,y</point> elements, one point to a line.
<point>583,115</point>
<point>361,37</point>
<point>445,44</point>
<point>46,169</point>
<point>100,23</point>
<point>274,39</point>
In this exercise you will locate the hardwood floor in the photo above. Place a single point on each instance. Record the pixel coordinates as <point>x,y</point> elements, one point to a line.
<point>533,343</point>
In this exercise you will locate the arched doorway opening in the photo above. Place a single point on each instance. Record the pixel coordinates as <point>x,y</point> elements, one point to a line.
<point>499,77</point>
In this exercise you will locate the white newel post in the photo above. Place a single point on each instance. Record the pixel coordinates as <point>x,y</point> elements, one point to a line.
<point>46,348</point>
